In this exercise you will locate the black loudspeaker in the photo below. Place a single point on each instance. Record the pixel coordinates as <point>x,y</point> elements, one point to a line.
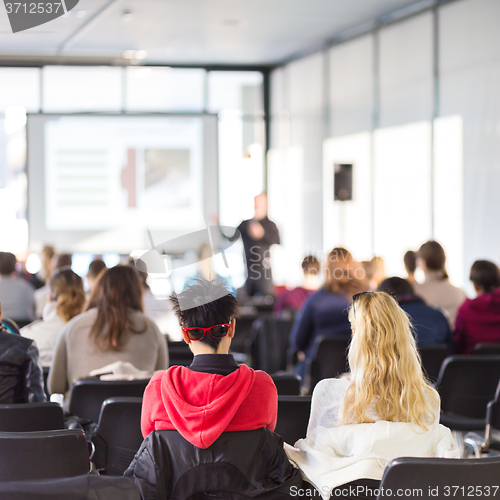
<point>342,182</point>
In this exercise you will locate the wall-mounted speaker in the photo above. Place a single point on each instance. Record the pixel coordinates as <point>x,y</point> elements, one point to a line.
<point>342,181</point>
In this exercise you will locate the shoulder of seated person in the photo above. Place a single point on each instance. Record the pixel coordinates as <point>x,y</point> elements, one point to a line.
<point>331,384</point>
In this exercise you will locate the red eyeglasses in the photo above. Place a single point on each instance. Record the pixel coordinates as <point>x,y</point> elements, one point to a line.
<point>216,331</point>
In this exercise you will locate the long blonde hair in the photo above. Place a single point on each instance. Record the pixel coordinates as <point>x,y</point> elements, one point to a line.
<point>385,366</point>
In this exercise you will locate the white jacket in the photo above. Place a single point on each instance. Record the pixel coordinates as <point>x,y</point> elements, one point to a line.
<point>45,333</point>
<point>334,454</point>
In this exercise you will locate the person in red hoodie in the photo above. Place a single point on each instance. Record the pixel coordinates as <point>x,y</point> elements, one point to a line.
<point>478,320</point>
<point>214,394</point>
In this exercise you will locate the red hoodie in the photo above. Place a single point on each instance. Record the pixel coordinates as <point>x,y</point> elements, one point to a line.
<point>478,321</point>
<point>201,406</point>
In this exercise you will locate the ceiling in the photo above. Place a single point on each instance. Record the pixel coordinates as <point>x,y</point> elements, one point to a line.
<point>243,32</point>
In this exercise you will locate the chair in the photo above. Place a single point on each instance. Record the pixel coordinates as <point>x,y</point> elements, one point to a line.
<point>329,359</point>
<point>287,384</point>
<point>268,343</point>
<point>46,371</point>
<point>487,349</point>
<point>466,385</point>
<point>440,478</point>
<point>30,417</point>
<point>118,435</point>
<point>243,328</point>
<point>43,455</point>
<point>87,487</point>
<point>87,396</point>
<point>293,417</point>
<point>179,353</point>
<point>432,359</point>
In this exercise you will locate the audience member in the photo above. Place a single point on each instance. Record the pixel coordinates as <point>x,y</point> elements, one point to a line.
<point>436,290</point>
<point>292,300</point>
<point>16,294</point>
<point>324,312</point>
<point>430,326</point>
<point>410,261</point>
<point>112,329</point>
<point>214,394</point>
<point>66,300</point>
<point>478,319</point>
<point>384,409</point>
<point>374,271</point>
<point>96,267</point>
<point>48,254</point>
<point>42,294</point>
<point>21,380</point>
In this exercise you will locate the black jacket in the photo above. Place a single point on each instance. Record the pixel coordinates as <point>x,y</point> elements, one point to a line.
<point>243,464</point>
<point>21,380</point>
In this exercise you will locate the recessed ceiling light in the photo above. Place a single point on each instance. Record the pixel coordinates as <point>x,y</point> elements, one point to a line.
<point>127,15</point>
<point>134,54</point>
<point>236,23</point>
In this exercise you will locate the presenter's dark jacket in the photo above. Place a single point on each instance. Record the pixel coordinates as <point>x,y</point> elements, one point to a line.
<point>21,380</point>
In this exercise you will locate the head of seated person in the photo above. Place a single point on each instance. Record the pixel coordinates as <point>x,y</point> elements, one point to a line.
<point>485,277</point>
<point>397,287</point>
<point>432,259</point>
<point>8,264</point>
<point>343,275</point>
<point>66,291</point>
<point>206,312</point>
<point>96,268</point>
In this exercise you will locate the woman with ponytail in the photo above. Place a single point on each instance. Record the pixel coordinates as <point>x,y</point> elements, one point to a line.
<point>384,409</point>
<point>113,328</point>
<point>66,300</point>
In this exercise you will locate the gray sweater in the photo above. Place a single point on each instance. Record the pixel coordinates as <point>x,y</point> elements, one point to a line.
<point>75,355</point>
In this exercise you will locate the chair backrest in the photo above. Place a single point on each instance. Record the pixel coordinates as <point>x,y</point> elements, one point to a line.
<point>87,396</point>
<point>118,434</point>
<point>293,417</point>
<point>269,342</point>
<point>179,353</point>
<point>440,478</point>
<point>432,359</point>
<point>87,487</point>
<point>329,359</point>
<point>287,384</point>
<point>467,384</point>
<point>43,455</point>
<point>487,349</point>
<point>243,328</point>
<point>30,417</point>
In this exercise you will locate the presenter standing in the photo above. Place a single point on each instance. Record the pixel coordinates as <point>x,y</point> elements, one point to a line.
<point>258,234</point>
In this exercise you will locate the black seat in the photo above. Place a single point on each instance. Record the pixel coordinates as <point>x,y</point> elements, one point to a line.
<point>466,385</point>
<point>440,478</point>
<point>30,417</point>
<point>293,417</point>
<point>243,328</point>
<point>329,359</point>
<point>432,358</point>
<point>487,349</point>
<point>87,487</point>
<point>269,342</point>
<point>287,384</point>
<point>87,396</point>
<point>43,455</point>
<point>118,435</point>
<point>179,353</point>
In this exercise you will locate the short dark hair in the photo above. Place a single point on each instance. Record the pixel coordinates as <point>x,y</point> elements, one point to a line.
<point>396,286</point>
<point>206,314</point>
<point>432,253</point>
<point>410,260</point>
<point>96,267</point>
<point>485,275</point>
<point>64,260</point>
<point>8,263</point>
<point>310,262</point>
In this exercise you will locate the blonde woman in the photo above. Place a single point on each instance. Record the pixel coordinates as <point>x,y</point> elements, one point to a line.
<point>66,300</point>
<point>384,409</point>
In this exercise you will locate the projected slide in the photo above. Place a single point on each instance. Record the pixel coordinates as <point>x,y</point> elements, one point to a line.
<point>97,183</point>
<point>99,172</point>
